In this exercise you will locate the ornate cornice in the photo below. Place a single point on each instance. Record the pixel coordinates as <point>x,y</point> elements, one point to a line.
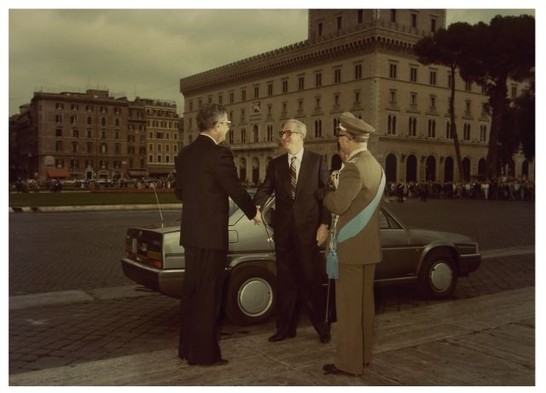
<point>302,53</point>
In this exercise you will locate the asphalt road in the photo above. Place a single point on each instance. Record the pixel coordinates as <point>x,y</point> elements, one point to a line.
<point>81,250</point>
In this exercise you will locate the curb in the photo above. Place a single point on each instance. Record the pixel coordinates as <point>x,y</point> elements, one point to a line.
<point>84,208</point>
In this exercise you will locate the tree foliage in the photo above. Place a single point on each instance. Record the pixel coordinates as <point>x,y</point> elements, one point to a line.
<point>448,47</point>
<point>490,55</point>
<point>501,51</point>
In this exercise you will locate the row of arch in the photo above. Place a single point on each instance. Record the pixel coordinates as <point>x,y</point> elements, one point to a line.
<point>408,168</point>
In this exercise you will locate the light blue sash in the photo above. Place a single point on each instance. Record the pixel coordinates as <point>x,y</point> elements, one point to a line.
<point>353,227</point>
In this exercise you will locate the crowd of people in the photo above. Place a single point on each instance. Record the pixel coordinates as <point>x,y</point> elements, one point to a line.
<point>504,188</point>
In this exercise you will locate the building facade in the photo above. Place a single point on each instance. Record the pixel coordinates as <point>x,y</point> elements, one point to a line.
<point>360,61</point>
<point>93,135</point>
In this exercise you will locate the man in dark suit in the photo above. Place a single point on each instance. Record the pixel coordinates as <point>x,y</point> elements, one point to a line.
<point>300,226</point>
<point>205,177</point>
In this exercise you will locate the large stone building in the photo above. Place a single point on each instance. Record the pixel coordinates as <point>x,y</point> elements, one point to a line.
<point>360,61</point>
<point>93,135</point>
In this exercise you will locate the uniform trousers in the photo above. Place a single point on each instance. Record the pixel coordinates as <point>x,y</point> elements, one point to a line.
<point>200,305</point>
<point>355,309</point>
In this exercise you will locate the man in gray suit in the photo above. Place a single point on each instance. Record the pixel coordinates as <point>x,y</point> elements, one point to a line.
<point>356,201</point>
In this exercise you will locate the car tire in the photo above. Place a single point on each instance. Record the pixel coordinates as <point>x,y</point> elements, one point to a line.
<point>438,275</point>
<point>250,297</point>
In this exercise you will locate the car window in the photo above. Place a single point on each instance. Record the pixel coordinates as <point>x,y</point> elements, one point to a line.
<point>387,222</point>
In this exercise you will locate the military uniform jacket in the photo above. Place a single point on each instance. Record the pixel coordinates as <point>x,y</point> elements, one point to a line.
<point>358,184</point>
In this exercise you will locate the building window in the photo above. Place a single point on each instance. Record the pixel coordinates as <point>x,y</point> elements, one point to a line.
<point>336,100</point>
<point>466,131</point>
<point>58,119</point>
<point>432,78</point>
<point>231,98</point>
<point>514,92</point>
<point>317,103</point>
<point>269,89</point>
<point>103,121</point>
<point>413,100</point>
<point>432,128</point>
<point>243,95</point>
<point>483,133</point>
<point>468,86</point>
<point>413,74</point>
<point>392,97</point>
<point>391,125</point>
<point>220,99</point>
<point>58,132</point>
<point>320,29</point>
<point>412,126</point>
<point>243,135</point>
<point>103,148</point>
<point>339,23</point>
<point>269,132</point>
<point>256,91</point>
<point>468,108</point>
<point>393,16</point>
<point>256,135</point>
<point>318,79</point>
<point>59,146</point>
<point>301,83</point>
<point>433,103</point>
<point>360,16</point>
<point>393,70</point>
<point>449,134</point>
<point>358,71</point>
<point>59,106</point>
<point>318,128</point>
<point>75,133</point>
<point>414,21</point>
<point>433,25</point>
<point>285,86</point>
<point>357,97</point>
<point>337,75</point>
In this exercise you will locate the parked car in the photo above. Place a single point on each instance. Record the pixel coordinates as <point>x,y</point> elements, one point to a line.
<point>431,260</point>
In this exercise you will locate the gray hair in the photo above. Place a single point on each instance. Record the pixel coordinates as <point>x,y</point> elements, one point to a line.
<point>208,116</point>
<point>299,126</point>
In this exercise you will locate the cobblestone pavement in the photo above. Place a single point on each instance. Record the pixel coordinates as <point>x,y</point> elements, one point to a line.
<point>51,336</point>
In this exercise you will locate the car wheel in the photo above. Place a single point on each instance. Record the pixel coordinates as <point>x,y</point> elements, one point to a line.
<point>438,275</point>
<point>250,297</point>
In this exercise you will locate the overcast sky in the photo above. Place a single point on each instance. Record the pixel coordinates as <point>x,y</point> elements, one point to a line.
<point>145,52</point>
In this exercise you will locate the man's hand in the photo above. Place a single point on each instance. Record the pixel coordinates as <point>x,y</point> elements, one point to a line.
<point>322,234</point>
<point>258,217</point>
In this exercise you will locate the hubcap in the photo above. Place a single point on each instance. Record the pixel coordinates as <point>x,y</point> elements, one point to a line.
<point>255,297</point>
<point>441,277</point>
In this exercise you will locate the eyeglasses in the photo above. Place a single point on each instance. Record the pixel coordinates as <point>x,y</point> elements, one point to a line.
<point>282,133</point>
<point>224,121</point>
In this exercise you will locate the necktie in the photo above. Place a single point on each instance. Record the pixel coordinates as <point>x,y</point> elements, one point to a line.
<point>293,180</point>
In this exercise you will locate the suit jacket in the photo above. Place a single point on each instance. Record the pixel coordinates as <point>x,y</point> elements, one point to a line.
<point>358,185</point>
<point>304,213</point>
<point>205,177</point>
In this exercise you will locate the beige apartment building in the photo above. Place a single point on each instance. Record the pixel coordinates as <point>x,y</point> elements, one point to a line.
<point>360,61</point>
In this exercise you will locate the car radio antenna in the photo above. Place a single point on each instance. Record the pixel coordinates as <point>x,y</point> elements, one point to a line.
<point>158,205</point>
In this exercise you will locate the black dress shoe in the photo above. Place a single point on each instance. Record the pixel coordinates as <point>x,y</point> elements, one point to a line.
<point>325,338</point>
<point>332,369</point>
<point>279,337</point>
